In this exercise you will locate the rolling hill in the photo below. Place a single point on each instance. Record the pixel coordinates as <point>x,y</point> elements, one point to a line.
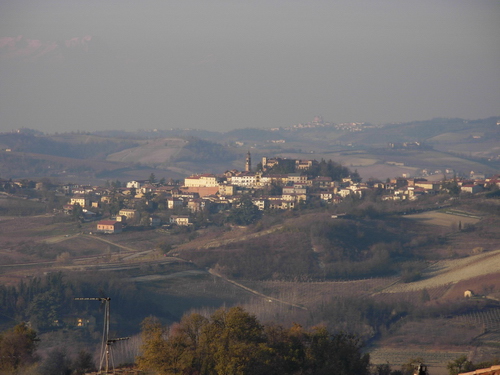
<point>418,148</point>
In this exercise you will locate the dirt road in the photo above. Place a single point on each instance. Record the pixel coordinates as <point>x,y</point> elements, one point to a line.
<point>269,299</point>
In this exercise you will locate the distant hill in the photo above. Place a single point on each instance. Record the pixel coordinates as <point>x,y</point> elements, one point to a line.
<point>437,144</point>
<point>249,134</point>
<point>89,156</point>
<point>73,146</point>
<point>428,130</point>
<point>74,157</point>
<point>161,133</point>
<point>168,151</point>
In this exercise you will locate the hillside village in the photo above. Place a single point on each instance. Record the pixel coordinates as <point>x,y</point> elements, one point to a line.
<point>274,184</point>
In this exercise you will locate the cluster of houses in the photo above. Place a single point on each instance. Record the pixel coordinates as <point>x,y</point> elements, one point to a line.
<point>220,192</point>
<point>318,122</point>
<point>412,188</point>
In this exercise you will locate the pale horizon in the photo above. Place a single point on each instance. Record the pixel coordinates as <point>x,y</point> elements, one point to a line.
<point>223,65</point>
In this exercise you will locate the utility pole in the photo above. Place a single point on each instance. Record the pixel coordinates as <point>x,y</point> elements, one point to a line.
<point>109,356</point>
<point>106,356</point>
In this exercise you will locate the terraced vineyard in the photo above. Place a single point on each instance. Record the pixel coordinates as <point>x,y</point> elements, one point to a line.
<point>452,271</point>
<point>414,295</point>
<point>491,340</point>
<point>311,293</point>
<point>488,319</point>
<point>434,359</point>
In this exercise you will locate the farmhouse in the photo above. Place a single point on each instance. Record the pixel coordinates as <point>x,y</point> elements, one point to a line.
<point>68,209</point>
<point>323,182</point>
<point>345,192</point>
<point>128,213</point>
<point>147,188</point>
<point>297,178</point>
<point>470,188</point>
<point>295,197</point>
<point>174,202</point>
<point>196,204</point>
<point>261,203</point>
<point>82,201</point>
<point>330,196</point>
<point>428,185</point>
<point>137,184</point>
<point>280,204</point>
<point>180,220</point>
<point>83,189</point>
<point>109,226</point>
<point>227,189</point>
<point>294,190</point>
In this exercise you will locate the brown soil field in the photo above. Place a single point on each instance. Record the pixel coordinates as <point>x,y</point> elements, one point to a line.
<point>311,294</point>
<point>442,218</point>
<point>413,296</point>
<point>435,333</point>
<point>156,151</point>
<point>14,231</point>
<point>36,228</point>
<point>453,271</point>
<point>136,240</point>
<point>214,239</point>
<point>84,245</point>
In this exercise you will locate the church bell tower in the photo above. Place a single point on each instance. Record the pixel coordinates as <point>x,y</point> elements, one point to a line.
<point>248,163</point>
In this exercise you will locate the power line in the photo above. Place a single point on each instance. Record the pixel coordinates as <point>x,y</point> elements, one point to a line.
<point>106,344</point>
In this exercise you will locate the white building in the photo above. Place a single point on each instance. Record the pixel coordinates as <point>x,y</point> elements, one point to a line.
<point>245,179</point>
<point>204,180</point>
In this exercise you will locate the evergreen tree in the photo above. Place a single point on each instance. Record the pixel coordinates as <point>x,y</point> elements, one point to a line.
<point>152,178</point>
<point>245,213</point>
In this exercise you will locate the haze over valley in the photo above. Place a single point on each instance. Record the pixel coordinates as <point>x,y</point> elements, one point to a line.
<point>249,187</point>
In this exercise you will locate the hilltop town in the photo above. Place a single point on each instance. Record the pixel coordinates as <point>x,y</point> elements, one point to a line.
<point>274,184</point>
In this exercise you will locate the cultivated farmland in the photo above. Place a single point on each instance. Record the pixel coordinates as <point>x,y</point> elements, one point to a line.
<point>446,272</point>
<point>444,218</point>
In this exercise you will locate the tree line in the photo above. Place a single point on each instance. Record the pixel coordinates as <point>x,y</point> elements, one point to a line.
<point>233,342</point>
<point>46,301</point>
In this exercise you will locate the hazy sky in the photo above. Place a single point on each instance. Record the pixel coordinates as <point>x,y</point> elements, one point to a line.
<point>219,65</point>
